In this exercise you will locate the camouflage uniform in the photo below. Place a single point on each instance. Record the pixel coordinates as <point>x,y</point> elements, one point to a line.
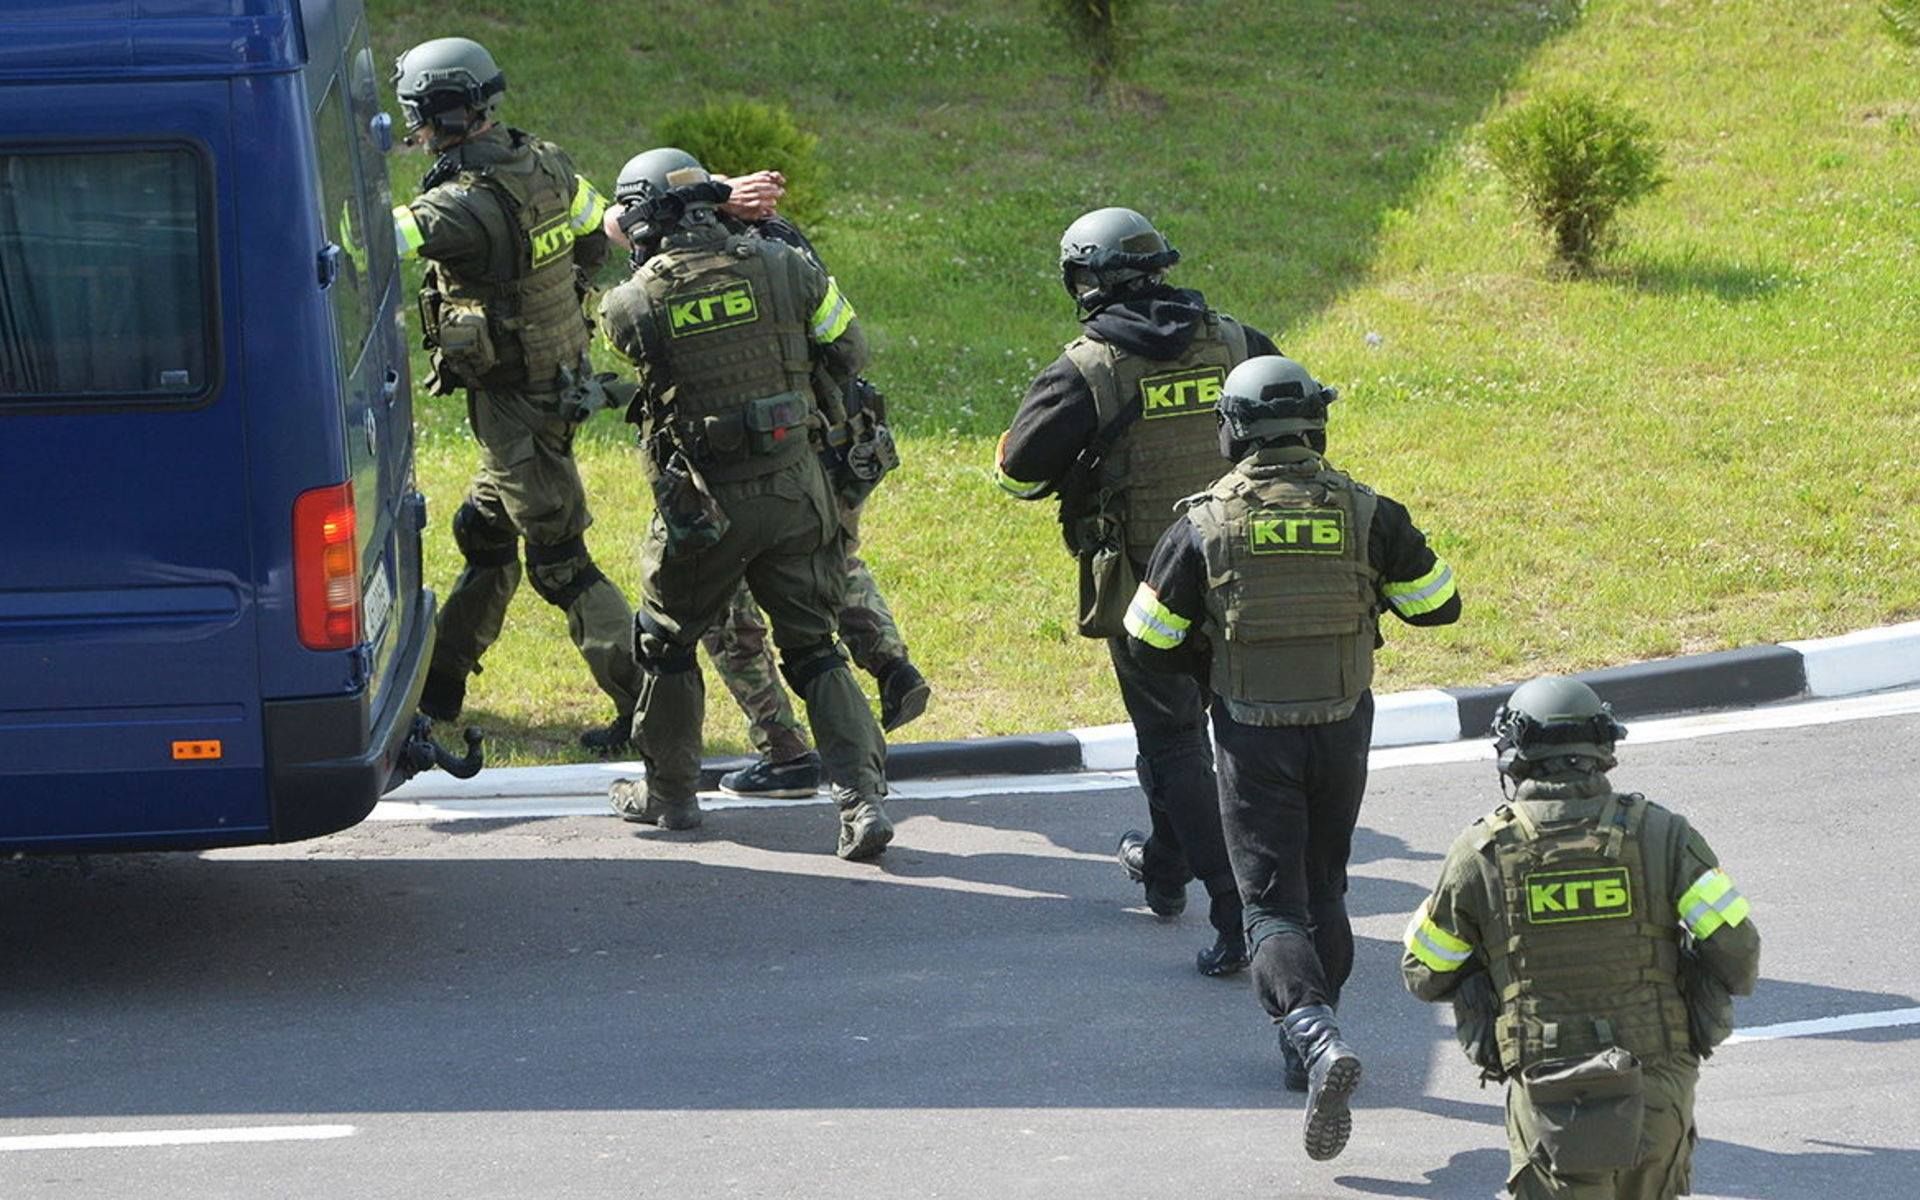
<point>504,222</point>
<point>738,646</point>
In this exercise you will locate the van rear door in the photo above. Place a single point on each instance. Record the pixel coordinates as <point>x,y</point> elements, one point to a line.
<point>129,680</point>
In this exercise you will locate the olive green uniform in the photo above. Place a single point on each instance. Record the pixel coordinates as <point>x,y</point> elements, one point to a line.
<point>503,230</point>
<point>1582,912</point>
<point>738,645</point>
<point>723,330</point>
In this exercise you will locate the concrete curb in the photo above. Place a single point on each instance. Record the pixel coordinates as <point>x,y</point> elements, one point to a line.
<point>1867,661</point>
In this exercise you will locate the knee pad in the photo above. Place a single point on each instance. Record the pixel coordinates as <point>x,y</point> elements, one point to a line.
<point>803,667</point>
<point>482,541</point>
<point>549,564</point>
<point>655,650</point>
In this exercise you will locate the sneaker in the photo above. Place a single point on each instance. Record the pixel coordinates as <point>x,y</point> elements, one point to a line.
<point>1227,956</point>
<point>794,779</point>
<point>610,738</point>
<point>1163,899</point>
<point>864,830</point>
<point>903,694</point>
<point>444,695</point>
<point>631,802</point>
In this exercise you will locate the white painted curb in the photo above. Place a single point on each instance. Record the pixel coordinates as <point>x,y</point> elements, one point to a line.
<point>1867,661</point>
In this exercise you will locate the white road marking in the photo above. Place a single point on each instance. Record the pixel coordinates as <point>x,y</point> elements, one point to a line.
<point>175,1137</point>
<point>1885,1019</point>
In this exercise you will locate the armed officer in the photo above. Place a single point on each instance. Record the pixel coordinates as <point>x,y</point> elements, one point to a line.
<point>1119,428</point>
<point>726,330</point>
<point>1590,944</point>
<point>1269,587</point>
<point>507,228</point>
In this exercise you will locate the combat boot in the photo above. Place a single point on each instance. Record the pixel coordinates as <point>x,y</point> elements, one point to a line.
<point>444,695</point>
<point>631,802</point>
<point>1333,1072</point>
<point>864,827</point>
<point>904,692</point>
<point>1227,956</point>
<point>611,738</point>
<point>1163,899</point>
<point>1294,1067</point>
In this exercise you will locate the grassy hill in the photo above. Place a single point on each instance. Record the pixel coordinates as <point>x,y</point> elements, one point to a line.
<point>1711,444</point>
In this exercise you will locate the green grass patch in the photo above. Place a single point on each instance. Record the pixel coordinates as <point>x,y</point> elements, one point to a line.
<point>1710,443</point>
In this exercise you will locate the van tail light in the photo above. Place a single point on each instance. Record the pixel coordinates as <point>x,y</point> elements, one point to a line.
<point>326,569</point>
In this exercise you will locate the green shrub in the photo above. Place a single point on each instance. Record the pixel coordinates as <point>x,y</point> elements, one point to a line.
<point>1575,161</point>
<point>1099,29</point>
<point>1903,20</point>
<point>739,136</point>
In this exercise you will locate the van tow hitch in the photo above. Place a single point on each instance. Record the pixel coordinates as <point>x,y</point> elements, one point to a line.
<point>422,752</point>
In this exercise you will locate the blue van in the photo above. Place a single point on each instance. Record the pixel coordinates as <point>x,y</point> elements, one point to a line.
<point>212,624</point>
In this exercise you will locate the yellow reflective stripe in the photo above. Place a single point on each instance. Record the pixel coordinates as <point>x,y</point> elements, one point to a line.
<point>833,316</point>
<point>1422,595</point>
<point>1153,622</point>
<point>588,207</point>
<point>1437,949</point>
<point>407,238</point>
<point>1710,903</point>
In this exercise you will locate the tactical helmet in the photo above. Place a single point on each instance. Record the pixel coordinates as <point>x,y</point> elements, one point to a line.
<point>451,83</point>
<point>1269,397</point>
<point>662,188</point>
<point>1554,724</point>
<point>1108,252</point>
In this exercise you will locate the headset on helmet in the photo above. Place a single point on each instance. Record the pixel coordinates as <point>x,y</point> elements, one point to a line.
<point>450,83</point>
<point>1268,397</point>
<point>1109,252</point>
<point>1554,724</point>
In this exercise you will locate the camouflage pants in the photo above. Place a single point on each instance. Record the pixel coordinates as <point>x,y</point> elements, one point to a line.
<point>528,486</point>
<point>1667,1136</point>
<point>737,643</point>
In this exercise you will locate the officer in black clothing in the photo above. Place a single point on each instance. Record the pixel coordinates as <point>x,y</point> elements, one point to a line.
<point>1118,427</point>
<point>1269,589</point>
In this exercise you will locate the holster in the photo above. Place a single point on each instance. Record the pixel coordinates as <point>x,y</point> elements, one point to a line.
<point>1583,1115</point>
<point>693,519</point>
<point>859,453</point>
<point>1107,580</point>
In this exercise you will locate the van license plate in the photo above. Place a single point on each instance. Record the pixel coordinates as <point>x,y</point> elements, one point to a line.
<point>377,605</point>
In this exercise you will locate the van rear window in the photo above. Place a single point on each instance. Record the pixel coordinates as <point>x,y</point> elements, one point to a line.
<point>105,276</point>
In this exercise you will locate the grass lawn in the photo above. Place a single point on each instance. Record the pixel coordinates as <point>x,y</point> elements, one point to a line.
<point>1710,444</point>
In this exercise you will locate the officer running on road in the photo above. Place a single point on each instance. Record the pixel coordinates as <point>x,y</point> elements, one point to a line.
<point>726,330</point>
<point>1590,944</point>
<point>1118,429</point>
<point>1269,588</point>
<point>507,228</point>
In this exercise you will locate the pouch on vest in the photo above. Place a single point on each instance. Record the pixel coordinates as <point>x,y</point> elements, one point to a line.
<point>1107,581</point>
<point>1583,1115</point>
<point>771,421</point>
<point>464,345</point>
<point>693,518</point>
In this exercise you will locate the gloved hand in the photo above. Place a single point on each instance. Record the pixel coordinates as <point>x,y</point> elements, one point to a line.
<point>587,394</point>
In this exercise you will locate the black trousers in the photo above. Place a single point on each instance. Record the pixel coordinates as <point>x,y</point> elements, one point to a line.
<point>1289,798</point>
<point>1175,765</point>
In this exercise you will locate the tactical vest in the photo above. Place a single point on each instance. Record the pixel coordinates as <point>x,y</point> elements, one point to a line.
<point>1172,450</point>
<point>1582,944</point>
<point>730,325</point>
<point>1290,589</point>
<point>528,291</point>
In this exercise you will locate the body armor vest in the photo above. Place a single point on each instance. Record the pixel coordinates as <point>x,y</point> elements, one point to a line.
<point>528,293</point>
<point>1583,945</point>
<point>1290,589</point>
<point>731,327</point>
<point>1171,451</point>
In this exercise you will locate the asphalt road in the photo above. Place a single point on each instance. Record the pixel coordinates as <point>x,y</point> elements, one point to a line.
<point>578,1007</point>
